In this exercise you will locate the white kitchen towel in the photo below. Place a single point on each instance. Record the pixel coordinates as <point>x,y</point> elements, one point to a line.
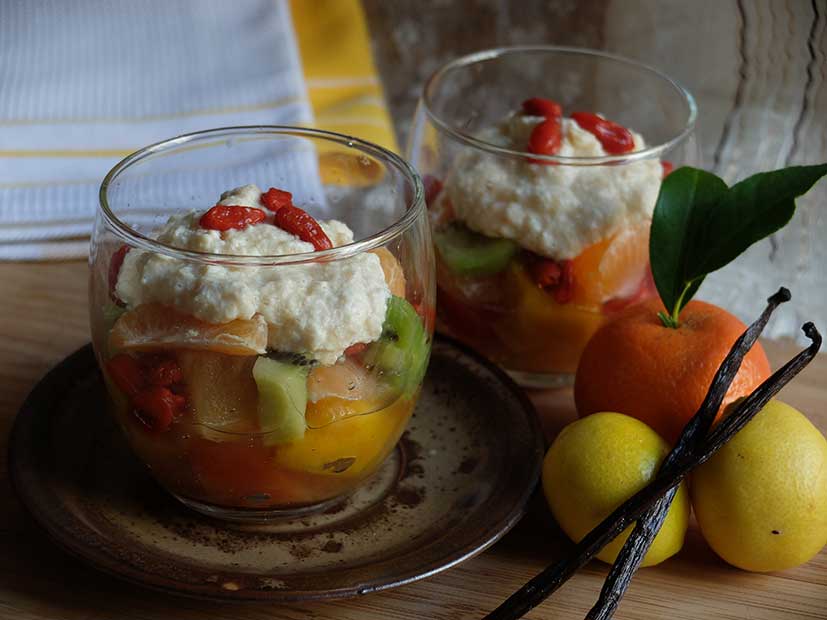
<point>84,83</point>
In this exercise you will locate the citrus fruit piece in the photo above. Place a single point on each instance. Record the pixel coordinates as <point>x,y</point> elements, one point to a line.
<point>597,463</point>
<point>613,267</point>
<point>635,365</point>
<point>761,501</point>
<point>153,326</point>
<point>394,275</point>
<point>350,447</point>
<point>222,393</point>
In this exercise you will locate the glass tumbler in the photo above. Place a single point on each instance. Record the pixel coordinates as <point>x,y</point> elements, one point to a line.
<point>228,418</point>
<point>540,211</point>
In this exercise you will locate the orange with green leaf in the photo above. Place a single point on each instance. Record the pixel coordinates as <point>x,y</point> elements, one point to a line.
<point>655,360</point>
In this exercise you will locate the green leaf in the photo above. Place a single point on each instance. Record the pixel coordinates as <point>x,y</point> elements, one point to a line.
<point>699,225</point>
<point>751,210</point>
<point>686,198</point>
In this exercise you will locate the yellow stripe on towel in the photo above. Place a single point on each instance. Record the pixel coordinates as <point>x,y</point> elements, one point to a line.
<point>342,81</point>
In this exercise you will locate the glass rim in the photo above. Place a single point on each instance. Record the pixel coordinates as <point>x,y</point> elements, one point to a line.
<point>497,52</point>
<point>414,208</point>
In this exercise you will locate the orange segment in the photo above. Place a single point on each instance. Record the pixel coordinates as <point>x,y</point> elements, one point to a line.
<point>153,326</point>
<point>394,275</point>
<point>613,267</point>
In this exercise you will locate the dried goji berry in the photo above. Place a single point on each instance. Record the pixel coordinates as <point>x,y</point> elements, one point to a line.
<point>564,291</point>
<point>115,264</point>
<point>545,273</point>
<point>667,168</point>
<point>555,277</point>
<point>126,374</point>
<point>615,138</point>
<point>545,139</point>
<point>537,106</point>
<point>274,199</point>
<point>226,217</point>
<point>356,349</point>
<point>165,373</point>
<point>155,407</point>
<point>433,187</point>
<point>303,225</point>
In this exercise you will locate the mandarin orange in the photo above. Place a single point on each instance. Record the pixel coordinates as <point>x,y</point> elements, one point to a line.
<point>635,365</point>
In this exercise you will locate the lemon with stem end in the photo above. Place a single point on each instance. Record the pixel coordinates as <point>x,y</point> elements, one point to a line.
<point>761,501</point>
<point>597,463</point>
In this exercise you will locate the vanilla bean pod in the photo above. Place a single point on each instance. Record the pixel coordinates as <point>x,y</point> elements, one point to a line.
<point>692,436</point>
<point>546,582</point>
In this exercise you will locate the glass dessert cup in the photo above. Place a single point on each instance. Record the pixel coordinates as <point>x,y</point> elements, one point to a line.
<point>260,385</point>
<point>541,237</point>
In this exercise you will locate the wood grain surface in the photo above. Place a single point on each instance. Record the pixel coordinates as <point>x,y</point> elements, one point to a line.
<point>756,67</point>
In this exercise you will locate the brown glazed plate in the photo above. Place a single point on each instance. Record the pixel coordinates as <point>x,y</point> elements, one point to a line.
<point>458,481</point>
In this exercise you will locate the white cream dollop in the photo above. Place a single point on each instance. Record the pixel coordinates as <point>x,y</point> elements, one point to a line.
<point>554,211</point>
<point>316,308</point>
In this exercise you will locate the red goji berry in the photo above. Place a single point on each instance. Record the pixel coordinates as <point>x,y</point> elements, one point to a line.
<point>564,291</point>
<point>226,217</point>
<point>126,374</point>
<point>537,106</point>
<point>115,264</point>
<point>615,138</point>
<point>433,187</point>
<point>555,277</point>
<point>545,139</point>
<point>155,408</point>
<point>667,168</point>
<point>545,273</point>
<point>356,349</point>
<point>165,373</point>
<point>300,223</point>
<point>274,199</point>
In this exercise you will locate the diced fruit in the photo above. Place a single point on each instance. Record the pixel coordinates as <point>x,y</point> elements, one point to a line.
<point>300,223</point>
<point>394,275</point>
<point>545,139</point>
<point>348,379</point>
<point>274,199</point>
<point>282,400</point>
<point>615,138</point>
<point>537,106</point>
<point>351,447</point>
<point>469,253</point>
<point>554,277</point>
<point>612,268</point>
<point>227,217</point>
<point>541,333</point>
<point>402,352</point>
<point>222,393</point>
<point>165,373</point>
<point>154,327</point>
<point>334,409</point>
<point>156,407</point>
<point>126,373</point>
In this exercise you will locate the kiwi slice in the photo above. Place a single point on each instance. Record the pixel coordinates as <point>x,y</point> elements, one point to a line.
<point>282,399</point>
<point>402,352</point>
<point>468,253</point>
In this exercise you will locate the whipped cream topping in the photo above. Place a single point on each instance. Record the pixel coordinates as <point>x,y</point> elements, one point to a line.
<point>555,211</point>
<point>315,308</point>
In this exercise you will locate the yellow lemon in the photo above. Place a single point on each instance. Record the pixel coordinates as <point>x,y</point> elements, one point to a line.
<point>761,501</point>
<point>596,464</point>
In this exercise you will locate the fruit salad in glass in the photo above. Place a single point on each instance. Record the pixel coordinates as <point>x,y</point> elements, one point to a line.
<point>542,167</point>
<point>263,362</point>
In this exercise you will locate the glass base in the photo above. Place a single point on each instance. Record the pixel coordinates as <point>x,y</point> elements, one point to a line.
<point>541,380</point>
<point>257,515</point>
<point>367,494</point>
